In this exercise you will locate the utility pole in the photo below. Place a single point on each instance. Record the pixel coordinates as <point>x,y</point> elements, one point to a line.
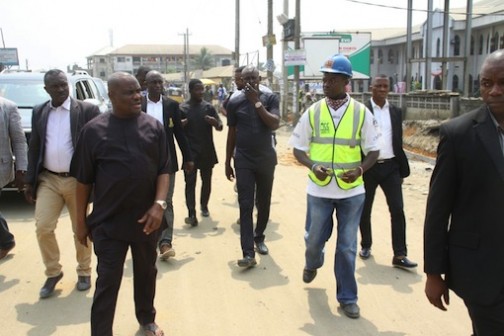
<point>428,47</point>
<point>297,45</point>
<point>285,75</point>
<point>269,45</point>
<point>467,48</point>
<point>409,46</point>
<point>237,33</point>
<point>186,59</point>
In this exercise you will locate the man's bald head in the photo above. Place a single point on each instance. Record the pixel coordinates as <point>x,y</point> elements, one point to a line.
<point>124,93</point>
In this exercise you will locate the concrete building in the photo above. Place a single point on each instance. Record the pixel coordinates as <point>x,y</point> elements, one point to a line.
<point>160,57</point>
<point>388,48</point>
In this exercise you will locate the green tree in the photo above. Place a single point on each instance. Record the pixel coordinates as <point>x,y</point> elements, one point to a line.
<point>204,60</point>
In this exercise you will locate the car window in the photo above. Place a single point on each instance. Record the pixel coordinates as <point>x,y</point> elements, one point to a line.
<point>24,93</point>
<point>80,91</point>
<point>91,90</point>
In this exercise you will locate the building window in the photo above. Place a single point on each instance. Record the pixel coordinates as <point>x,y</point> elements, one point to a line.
<point>455,83</point>
<point>488,43</point>
<point>371,57</point>
<point>121,59</point>
<point>472,45</point>
<point>380,56</point>
<point>494,42</point>
<point>102,74</point>
<point>420,53</point>
<point>102,60</point>
<point>413,53</point>
<point>502,42</point>
<point>136,59</point>
<point>456,45</point>
<point>480,48</point>
<point>438,47</point>
<point>390,57</point>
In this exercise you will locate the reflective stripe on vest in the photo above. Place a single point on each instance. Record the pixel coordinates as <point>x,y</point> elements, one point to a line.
<point>336,147</point>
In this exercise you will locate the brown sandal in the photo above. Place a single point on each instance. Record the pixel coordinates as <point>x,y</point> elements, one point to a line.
<point>152,329</point>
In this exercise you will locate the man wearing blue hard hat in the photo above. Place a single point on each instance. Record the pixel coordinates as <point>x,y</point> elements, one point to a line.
<point>329,140</point>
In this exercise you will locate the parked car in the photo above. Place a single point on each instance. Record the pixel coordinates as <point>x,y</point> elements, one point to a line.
<point>26,89</point>
<point>103,88</point>
<point>175,93</point>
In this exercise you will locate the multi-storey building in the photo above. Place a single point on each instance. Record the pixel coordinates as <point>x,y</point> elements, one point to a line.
<point>446,71</point>
<point>160,57</point>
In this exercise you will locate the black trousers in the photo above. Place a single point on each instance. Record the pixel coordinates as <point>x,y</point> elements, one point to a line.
<point>386,175</point>
<point>6,238</point>
<point>253,185</point>
<point>487,320</point>
<point>111,255</point>
<point>190,189</point>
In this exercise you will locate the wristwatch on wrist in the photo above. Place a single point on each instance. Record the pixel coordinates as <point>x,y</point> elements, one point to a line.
<point>162,204</point>
<point>258,104</point>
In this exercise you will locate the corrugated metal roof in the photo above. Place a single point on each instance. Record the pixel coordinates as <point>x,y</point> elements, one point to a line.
<point>480,8</point>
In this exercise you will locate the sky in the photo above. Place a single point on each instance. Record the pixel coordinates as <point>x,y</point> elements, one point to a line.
<point>58,33</point>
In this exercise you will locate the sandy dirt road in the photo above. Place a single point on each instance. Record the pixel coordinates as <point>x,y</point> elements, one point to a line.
<point>202,292</point>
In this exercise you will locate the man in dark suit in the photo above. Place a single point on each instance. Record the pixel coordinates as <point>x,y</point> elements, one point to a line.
<point>388,173</point>
<point>167,111</point>
<point>56,124</point>
<point>464,222</point>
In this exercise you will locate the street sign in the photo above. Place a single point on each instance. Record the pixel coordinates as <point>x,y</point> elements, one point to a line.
<point>294,57</point>
<point>9,56</point>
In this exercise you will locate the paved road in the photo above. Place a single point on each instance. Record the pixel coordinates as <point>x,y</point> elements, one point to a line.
<point>202,292</point>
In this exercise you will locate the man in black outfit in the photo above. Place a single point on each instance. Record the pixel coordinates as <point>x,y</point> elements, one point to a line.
<point>123,155</point>
<point>252,117</point>
<point>388,173</point>
<point>464,220</point>
<point>199,119</point>
<point>167,112</point>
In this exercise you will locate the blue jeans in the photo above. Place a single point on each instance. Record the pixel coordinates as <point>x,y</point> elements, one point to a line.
<point>319,227</point>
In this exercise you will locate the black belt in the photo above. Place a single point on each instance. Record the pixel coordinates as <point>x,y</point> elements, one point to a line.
<point>58,174</point>
<point>384,160</point>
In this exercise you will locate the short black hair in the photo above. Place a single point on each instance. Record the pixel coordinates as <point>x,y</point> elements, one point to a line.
<point>52,73</point>
<point>193,82</point>
<point>240,68</point>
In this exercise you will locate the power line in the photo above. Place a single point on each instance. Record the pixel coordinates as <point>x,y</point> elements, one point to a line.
<point>421,10</point>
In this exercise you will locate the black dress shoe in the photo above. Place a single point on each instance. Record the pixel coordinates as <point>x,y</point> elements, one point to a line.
<point>403,263</point>
<point>365,253</point>
<point>262,248</point>
<point>247,261</point>
<point>83,283</point>
<point>309,275</point>
<point>192,220</point>
<point>205,212</point>
<point>49,285</point>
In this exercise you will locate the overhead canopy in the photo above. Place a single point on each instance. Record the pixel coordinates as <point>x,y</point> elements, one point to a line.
<point>207,81</point>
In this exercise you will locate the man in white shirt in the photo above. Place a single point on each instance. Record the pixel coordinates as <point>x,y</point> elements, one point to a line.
<point>329,139</point>
<point>167,112</point>
<point>388,173</point>
<point>56,124</point>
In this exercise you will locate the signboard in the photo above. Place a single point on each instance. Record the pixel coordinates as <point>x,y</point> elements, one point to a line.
<point>320,46</point>
<point>294,57</point>
<point>9,56</point>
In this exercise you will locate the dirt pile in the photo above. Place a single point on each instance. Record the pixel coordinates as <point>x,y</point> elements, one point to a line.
<point>421,136</point>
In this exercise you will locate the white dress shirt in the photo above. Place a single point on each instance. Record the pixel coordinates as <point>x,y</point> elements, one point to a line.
<point>155,109</point>
<point>58,141</point>
<point>382,116</point>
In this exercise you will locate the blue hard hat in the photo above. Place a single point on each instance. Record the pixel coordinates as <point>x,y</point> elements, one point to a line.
<point>338,64</point>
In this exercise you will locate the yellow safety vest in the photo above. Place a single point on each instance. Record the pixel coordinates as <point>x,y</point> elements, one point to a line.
<point>336,146</point>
